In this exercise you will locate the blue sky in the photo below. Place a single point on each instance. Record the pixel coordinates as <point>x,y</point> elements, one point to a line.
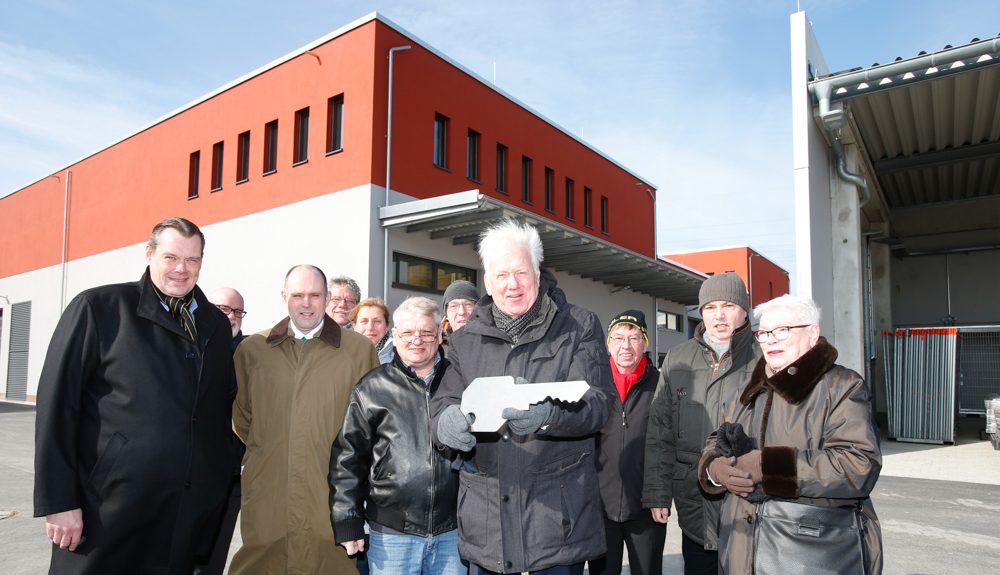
<point>692,95</point>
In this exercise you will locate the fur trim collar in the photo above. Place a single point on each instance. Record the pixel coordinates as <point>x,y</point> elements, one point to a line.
<point>797,380</point>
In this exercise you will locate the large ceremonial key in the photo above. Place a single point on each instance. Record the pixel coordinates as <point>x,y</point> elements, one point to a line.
<point>486,397</point>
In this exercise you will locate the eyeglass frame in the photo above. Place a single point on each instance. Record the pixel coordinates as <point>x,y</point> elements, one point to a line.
<point>335,300</point>
<point>629,338</point>
<point>762,336</point>
<point>459,303</point>
<point>240,313</point>
<point>421,336</point>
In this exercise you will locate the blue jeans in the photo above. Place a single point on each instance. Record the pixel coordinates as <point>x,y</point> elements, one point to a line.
<point>400,554</point>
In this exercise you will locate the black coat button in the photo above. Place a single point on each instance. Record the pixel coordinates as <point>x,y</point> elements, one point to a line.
<point>505,498</point>
<point>194,419</point>
<point>508,564</point>
<point>189,355</point>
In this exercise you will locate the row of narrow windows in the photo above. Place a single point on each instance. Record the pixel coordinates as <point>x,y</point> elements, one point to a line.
<point>269,162</point>
<point>472,171</point>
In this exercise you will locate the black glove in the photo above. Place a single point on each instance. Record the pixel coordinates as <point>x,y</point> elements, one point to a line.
<point>732,441</point>
<point>454,429</point>
<point>527,421</point>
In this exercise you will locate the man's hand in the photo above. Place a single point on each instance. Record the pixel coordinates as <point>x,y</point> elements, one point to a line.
<point>750,462</point>
<point>527,421</point>
<point>726,474</point>
<point>65,529</point>
<point>454,429</point>
<point>660,514</point>
<point>353,547</point>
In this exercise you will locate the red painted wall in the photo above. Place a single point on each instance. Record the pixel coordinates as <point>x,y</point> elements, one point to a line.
<point>117,194</point>
<point>769,280</point>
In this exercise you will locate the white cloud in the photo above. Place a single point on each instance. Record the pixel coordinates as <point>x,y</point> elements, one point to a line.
<point>54,110</point>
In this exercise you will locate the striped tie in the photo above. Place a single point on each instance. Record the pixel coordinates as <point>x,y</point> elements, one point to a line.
<point>178,307</point>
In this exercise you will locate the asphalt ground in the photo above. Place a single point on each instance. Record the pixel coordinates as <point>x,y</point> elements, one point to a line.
<point>946,522</point>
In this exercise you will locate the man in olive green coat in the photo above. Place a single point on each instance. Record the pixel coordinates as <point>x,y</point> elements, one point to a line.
<point>295,382</point>
<point>697,378</point>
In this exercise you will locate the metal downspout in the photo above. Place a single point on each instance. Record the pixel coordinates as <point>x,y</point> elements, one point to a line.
<point>833,121</point>
<point>65,238</point>
<point>386,272</point>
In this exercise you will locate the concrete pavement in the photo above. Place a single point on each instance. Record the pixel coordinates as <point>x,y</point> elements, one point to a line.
<point>939,505</point>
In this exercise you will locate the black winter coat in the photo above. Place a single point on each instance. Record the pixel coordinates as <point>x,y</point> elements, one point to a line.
<point>622,449</point>
<point>134,427</point>
<point>384,457</point>
<point>535,502</point>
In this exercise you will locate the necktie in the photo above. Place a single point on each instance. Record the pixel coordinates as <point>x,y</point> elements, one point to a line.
<point>178,307</point>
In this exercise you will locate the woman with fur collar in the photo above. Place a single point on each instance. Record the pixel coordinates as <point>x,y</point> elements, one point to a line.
<point>800,431</point>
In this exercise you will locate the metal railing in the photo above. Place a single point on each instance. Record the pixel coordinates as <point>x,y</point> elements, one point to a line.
<point>920,373</point>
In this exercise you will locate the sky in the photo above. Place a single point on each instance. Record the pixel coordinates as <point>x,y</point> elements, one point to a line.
<point>692,95</point>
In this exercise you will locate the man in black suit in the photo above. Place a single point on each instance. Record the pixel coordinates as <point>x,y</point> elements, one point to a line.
<point>133,442</point>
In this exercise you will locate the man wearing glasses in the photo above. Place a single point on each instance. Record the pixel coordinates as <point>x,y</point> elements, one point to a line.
<point>230,302</point>
<point>384,468</point>
<point>343,294</point>
<point>294,385</point>
<point>698,377</point>
<point>621,453</point>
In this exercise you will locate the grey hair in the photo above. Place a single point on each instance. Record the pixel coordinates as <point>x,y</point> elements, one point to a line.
<point>803,308</point>
<point>418,306</point>
<point>497,240</point>
<point>344,281</point>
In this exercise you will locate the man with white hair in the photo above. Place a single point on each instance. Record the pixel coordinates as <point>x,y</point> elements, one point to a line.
<point>528,495</point>
<point>384,467</point>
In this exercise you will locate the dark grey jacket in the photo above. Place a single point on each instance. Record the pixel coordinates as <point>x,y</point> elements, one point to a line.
<point>534,502</point>
<point>686,408</point>
<point>622,447</point>
<point>384,466</point>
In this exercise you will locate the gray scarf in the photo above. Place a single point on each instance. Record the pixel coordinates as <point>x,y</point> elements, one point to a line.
<point>514,326</point>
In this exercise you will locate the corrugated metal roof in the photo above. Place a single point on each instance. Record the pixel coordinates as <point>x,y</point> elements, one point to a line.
<point>930,126</point>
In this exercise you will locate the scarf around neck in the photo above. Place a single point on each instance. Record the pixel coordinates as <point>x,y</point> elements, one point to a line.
<point>625,381</point>
<point>514,326</point>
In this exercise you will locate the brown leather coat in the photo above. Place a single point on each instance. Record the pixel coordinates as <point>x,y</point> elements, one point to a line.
<point>813,421</point>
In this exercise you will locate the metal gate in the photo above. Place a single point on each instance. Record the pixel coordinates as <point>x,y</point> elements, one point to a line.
<point>978,368</point>
<point>920,373</point>
<point>17,358</point>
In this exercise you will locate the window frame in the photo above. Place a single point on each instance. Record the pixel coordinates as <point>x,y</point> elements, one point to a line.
<point>435,266</point>
<point>472,140</point>
<point>335,124</point>
<point>570,186</point>
<point>270,147</point>
<point>300,151</point>
<point>588,219</point>
<point>194,168</point>
<point>218,149</point>
<point>550,180</point>
<point>526,168</point>
<point>243,157</point>
<point>440,156</point>
<point>502,168</point>
<point>604,215</point>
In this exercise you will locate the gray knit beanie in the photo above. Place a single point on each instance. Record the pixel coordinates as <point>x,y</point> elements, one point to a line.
<point>724,287</point>
<point>459,289</point>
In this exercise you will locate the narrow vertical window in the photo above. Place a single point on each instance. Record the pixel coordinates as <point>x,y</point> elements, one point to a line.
<point>604,214</point>
<point>569,199</point>
<point>217,166</point>
<point>270,146</point>
<point>526,179</point>
<point>335,124</point>
<point>550,177</point>
<point>587,219</point>
<point>243,157</point>
<point>194,164</point>
<point>472,155</point>
<point>502,168</point>
<point>441,141</point>
<point>300,153</point>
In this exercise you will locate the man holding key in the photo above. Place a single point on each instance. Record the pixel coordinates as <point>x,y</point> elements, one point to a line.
<point>528,494</point>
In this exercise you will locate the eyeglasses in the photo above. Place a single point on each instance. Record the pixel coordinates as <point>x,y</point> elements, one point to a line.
<point>779,333</point>
<point>338,300</point>
<point>632,339</point>
<point>419,335</point>
<point>231,310</point>
<point>463,305</point>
